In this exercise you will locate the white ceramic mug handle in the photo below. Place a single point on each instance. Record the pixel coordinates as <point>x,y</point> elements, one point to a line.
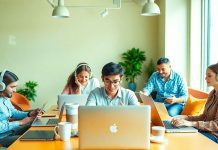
<point>55,130</point>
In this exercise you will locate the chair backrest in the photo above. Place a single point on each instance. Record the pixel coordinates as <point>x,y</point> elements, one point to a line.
<point>20,102</point>
<point>197,93</point>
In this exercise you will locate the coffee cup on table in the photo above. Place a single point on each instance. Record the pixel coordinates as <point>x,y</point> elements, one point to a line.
<point>63,129</point>
<point>158,131</point>
<point>72,114</point>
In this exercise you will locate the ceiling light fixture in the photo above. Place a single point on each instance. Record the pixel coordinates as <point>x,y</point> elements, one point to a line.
<point>59,11</point>
<point>150,9</point>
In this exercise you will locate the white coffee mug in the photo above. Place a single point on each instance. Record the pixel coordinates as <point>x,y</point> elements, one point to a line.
<point>72,114</point>
<point>158,131</point>
<point>63,129</point>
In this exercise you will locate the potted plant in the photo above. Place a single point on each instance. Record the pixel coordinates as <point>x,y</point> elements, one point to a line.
<point>132,65</point>
<point>29,90</point>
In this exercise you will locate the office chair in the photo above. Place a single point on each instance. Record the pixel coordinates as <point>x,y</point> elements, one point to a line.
<point>20,102</point>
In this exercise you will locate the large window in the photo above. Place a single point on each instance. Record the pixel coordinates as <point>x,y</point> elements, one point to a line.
<point>203,40</point>
<point>213,32</point>
<point>210,35</point>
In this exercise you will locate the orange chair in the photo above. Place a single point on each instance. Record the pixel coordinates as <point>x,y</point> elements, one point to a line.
<point>195,103</point>
<point>20,102</point>
<point>198,93</point>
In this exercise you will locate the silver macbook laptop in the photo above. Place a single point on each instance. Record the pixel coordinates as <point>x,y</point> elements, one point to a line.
<point>117,127</point>
<point>157,121</point>
<point>44,121</point>
<point>72,98</point>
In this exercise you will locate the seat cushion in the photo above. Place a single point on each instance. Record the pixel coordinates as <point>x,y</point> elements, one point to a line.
<point>194,106</point>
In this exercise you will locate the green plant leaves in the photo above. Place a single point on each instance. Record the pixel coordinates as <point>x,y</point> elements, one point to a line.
<point>132,63</point>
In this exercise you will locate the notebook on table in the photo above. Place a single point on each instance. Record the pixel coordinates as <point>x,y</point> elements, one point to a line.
<point>117,127</point>
<point>44,121</point>
<point>71,98</point>
<point>157,121</point>
<point>41,135</point>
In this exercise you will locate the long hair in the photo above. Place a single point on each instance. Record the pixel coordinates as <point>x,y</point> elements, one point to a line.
<point>71,79</point>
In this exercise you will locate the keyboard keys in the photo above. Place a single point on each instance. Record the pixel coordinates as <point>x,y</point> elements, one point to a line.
<point>168,125</point>
<point>52,121</point>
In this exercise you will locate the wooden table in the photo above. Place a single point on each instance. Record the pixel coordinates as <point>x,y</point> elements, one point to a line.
<point>176,141</point>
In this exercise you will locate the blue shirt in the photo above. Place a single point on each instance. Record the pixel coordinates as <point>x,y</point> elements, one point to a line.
<point>174,86</point>
<point>98,97</point>
<point>7,111</point>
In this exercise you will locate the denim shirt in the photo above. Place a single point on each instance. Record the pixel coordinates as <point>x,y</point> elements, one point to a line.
<point>174,86</point>
<point>98,97</point>
<point>7,111</point>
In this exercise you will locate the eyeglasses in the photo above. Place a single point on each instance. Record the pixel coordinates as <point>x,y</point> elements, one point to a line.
<point>115,82</point>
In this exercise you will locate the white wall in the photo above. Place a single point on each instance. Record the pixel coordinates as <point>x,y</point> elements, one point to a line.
<point>38,47</point>
<point>177,35</point>
<point>174,34</point>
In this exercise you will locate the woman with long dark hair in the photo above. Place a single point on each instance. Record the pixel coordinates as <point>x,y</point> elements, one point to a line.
<point>81,81</point>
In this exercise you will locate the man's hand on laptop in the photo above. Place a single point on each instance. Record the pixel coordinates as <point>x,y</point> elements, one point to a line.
<point>35,113</point>
<point>26,120</point>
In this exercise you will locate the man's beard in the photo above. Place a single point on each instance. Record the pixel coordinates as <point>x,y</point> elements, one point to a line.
<point>8,95</point>
<point>163,75</point>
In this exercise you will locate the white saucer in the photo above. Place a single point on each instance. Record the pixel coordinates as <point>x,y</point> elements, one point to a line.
<point>157,139</point>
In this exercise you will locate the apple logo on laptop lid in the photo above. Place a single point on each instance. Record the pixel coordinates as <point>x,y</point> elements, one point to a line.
<point>113,128</point>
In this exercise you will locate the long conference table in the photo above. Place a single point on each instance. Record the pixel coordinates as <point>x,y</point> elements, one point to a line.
<point>175,141</point>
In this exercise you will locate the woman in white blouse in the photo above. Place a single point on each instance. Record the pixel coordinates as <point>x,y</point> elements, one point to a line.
<point>81,81</point>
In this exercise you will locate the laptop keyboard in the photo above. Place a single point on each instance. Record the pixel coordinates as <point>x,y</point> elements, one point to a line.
<point>52,121</point>
<point>168,125</point>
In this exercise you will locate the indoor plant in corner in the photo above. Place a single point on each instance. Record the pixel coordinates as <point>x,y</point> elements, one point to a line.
<point>132,64</point>
<point>29,90</point>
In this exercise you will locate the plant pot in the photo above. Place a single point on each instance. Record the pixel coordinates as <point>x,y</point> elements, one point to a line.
<point>132,86</point>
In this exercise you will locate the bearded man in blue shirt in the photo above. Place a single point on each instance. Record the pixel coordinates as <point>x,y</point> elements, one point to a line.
<point>11,130</point>
<point>170,87</point>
